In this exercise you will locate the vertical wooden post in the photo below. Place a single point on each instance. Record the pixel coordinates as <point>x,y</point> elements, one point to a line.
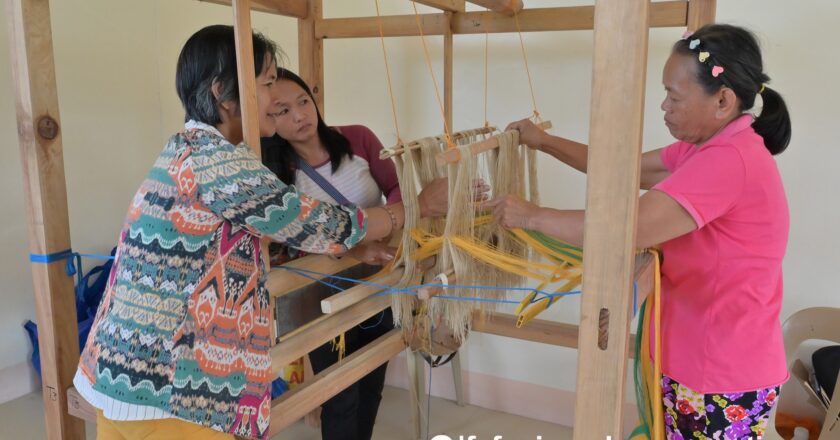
<point>448,62</point>
<point>311,53</point>
<point>39,132</point>
<point>700,13</point>
<point>618,84</point>
<point>246,73</point>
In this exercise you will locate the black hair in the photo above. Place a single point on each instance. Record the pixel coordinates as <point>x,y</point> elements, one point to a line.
<point>209,56</point>
<point>736,50</point>
<point>278,154</point>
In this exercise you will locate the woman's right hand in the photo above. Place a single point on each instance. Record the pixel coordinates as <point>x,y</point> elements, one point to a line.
<point>529,133</point>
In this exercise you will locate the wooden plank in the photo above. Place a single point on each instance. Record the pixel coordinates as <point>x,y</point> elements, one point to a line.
<point>700,13</point>
<point>567,18</point>
<point>537,330</point>
<point>282,281</point>
<point>41,152</point>
<point>417,393</point>
<point>506,7</point>
<point>78,407</point>
<point>294,404</point>
<point>289,8</point>
<point>246,73</point>
<point>299,343</point>
<point>311,53</point>
<point>616,120</point>
<point>444,5</point>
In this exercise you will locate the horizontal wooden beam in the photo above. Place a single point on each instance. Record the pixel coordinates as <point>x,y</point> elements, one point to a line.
<point>444,5</point>
<point>506,7</point>
<point>392,26</point>
<point>293,405</point>
<point>662,14</point>
<point>301,341</point>
<point>281,282</point>
<point>289,8</point>
<point>536,330</point>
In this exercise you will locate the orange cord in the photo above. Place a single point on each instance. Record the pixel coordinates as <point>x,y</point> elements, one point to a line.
<point>388,74</point>
<point>450,144</point>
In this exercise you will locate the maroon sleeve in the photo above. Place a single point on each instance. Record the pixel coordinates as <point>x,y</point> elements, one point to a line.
<point>366,145</point>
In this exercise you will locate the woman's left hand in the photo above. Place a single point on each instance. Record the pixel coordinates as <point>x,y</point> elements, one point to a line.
<point>513,212</point>
<point>374,253</point>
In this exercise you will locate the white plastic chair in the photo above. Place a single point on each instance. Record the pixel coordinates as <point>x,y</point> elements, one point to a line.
<point>813,323</point>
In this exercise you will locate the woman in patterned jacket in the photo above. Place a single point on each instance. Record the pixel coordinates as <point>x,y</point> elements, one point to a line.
<point>180,344</point>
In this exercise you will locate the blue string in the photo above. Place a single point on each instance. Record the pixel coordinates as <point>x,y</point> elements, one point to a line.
<point>49,258</point>
<point>388,290</point>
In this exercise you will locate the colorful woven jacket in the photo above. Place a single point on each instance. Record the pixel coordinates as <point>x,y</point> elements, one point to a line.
<point>184,323</point>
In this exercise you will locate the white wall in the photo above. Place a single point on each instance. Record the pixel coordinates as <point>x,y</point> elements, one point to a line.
<point>116,61</point>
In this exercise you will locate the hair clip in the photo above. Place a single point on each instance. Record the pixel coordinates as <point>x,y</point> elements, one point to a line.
<point>716,71</point>
<point>693,44</point>
<point>703,57</point>
<point>687,34</point>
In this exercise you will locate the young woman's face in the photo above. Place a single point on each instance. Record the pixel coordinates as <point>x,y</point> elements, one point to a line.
<point>690,113</point>
<point>297,118</point>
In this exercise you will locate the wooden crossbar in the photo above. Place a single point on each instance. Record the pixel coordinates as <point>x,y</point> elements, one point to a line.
<point>454,155</point>
<point>401,148</point>
<point>566,18</point>
<point>293,405</point>
<point>289,8</point>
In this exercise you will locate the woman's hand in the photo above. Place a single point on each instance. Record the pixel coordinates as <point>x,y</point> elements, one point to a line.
<point>375,253</point>
<point>514,212</point>
<point>434,199</point>
<point>529,133</point>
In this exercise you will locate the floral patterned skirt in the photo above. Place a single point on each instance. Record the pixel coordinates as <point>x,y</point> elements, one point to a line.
<point>692,415</point>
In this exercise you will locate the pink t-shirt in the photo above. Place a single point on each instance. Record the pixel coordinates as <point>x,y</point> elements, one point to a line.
<point>722,283</point>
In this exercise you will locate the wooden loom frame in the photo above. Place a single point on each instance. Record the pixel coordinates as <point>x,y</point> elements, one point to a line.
<point>619,69</point>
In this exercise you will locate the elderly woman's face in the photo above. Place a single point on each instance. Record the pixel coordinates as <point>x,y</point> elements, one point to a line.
<point>266,105</point>
<point>691,114</point>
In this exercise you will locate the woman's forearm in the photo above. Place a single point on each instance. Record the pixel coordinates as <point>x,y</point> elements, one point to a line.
<point>566,225</point>
<point>567,151</point>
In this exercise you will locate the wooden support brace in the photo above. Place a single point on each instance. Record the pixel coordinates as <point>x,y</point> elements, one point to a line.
<point>506,7</point>
<point>566,18</point>
<point>313,335</point>
<point>39,133</point>
<point>700,13</point>
<point>454,155</point>
<point>78,407</point>
<point>289,8</point>
<point>612,196</point>
<point>311,52</point>
<point>294,404</point>
<point>342,300</point>
<point>444,5</point>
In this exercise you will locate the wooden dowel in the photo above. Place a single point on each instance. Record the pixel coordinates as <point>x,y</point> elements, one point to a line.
<point>293,405</point>
<point>347,298</point>
<point>342,300</point>
<point>289,8</point>
<point>281,282</point>
<point>448,277</point>
<point>291,347</point>
<point>454,155</point>
<point>402,148</point>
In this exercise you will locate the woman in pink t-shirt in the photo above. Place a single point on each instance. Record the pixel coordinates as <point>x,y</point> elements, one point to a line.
<point>717,208</point>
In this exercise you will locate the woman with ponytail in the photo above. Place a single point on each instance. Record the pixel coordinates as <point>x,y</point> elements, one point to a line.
<point>717,209</point>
